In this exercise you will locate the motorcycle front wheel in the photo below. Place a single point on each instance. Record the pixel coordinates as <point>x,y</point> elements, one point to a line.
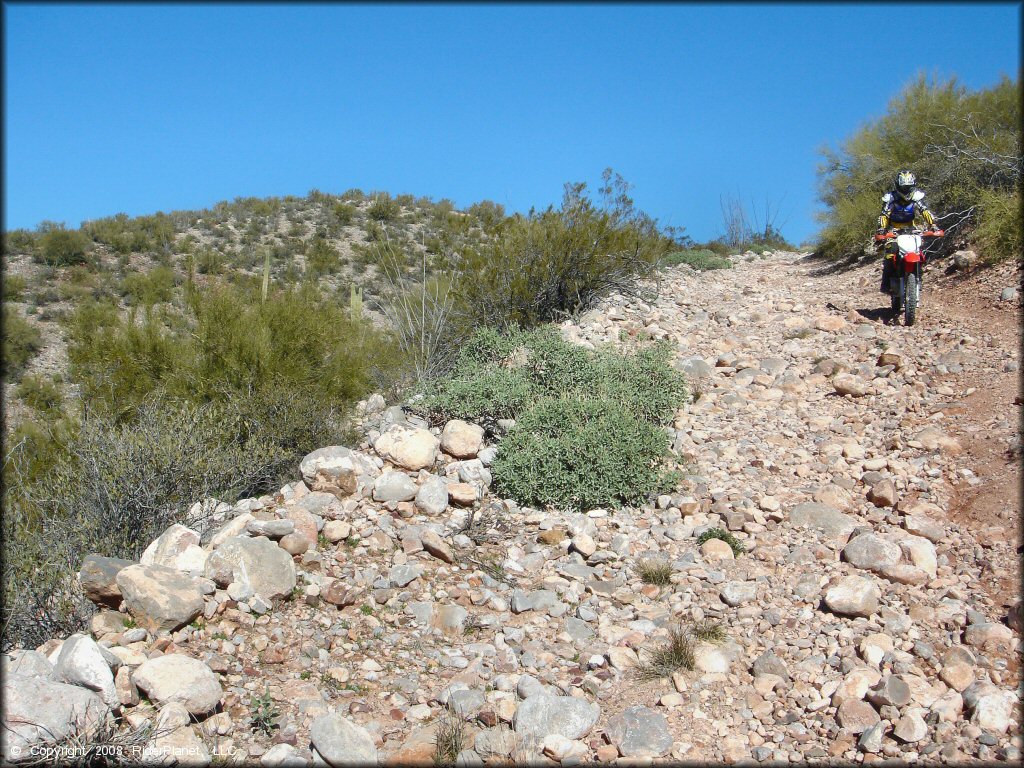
<point>911,309</point>
<point>897,298</point>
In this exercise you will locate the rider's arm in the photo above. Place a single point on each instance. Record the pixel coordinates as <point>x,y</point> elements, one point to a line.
<point>883,220</point>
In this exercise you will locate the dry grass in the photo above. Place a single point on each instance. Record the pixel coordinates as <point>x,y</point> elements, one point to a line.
<point>675,655</point>
<point>656,572</point>
<point>450,738</point>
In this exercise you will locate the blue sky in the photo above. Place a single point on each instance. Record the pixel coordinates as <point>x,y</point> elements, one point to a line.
<point>139,108</point>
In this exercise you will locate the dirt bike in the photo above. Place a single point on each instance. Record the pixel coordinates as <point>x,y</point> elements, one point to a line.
<point>908,262</point>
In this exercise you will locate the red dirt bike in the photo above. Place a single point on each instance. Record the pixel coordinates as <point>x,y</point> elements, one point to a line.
<point>908,261</point>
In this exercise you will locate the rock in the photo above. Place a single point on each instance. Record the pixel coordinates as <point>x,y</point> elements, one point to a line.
<point>770,664</point>
<point>708,658</point>
<point>192,561</point>
<point>695,368</point>
<point>958,676</point>
<point>989,636</point>
<point>640,732</point>
<point>283,756</point>
<point>890,358</point>
<point>892,690</point>
<point>584,544</point>
<point>874,647</point>
<point>340,594</point>
<point>127,692</point>
<point>419,748</point>
<point>335,462</point>
<point>168,545</point>
<point>737,593</point>
<point>463,494</point>
<point>98,577</point>
<point>921,553</point>
<point>991,708</point>
<point>871,739</point>
<point>402,575</point>
<point>176,739</point>
<point>539,600</point>
<point>179,678</point>
<point>849,384</point>
<point>436,546</point>
<point>82,663</point>
<point>911,727</point>
<point>919,524</point>
<point>1008,294</point>
<point>294,544</point>
<point>883,494</point>
<point>871,552</point>
<point>716,549</point>
<point>830,323</point>
<point>432,496</point>
<point>340,742</point>
<point>265,567</point>
<point>394,486</point>
<point>568,716</point>
<point>25,663</point>
<point>855,684</point>
<point>37,710</point>
<point>337,530</point>
<point>461,440</point>
<point>495,742</point>
<point>856,716</point>
<point>161,599</point>
<point>853,596</point>
<point>964,259</point>
<point>830,521</point>
<point>412,449</point>
<point>559,748</point>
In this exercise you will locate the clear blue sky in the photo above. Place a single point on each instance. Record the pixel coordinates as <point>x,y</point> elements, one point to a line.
<point>142,108</point>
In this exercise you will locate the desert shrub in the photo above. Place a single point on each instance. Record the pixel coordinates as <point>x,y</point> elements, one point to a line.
<point>655,571</point>
<point>383,208</point>
<point>209,261</point>
<point>579,454</point>
<point>499,375</point>
<point>39,393</point>
<point>147,288</point>
<point>998,233</point>
<point>59,246</point>
<point>13,287</point>
<point>546,266</point>
<point>21,341</point>
<point>19,241</point>
<point>963,145</point>
<point>344,213</point>
<point>321,258</point>
<point>700,259</point>
<point>488,213</point>
<point>676,655</point>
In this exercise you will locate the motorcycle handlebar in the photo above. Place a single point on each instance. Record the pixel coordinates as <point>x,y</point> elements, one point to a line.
<point>923,232</point>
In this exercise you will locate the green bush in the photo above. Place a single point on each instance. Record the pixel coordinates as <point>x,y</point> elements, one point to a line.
<point>13,287</point>
<point>39,393</point>
<point>546,266</point>
<point>321,258</point>
<point>19,241</point>
<point>21,341</point>
<point>59,246</point>
<point>147,288</point>
<point>383,208</point>
<point>500,375</point>
<point>344,214</point>
<point>999,225</point>
<point>580,454</point>
<point>700,259</point>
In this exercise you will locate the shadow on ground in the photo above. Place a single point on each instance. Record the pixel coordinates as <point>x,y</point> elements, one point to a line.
<point>836,266</point>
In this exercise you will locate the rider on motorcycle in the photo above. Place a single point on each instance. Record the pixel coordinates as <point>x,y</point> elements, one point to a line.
<point>903,206</point>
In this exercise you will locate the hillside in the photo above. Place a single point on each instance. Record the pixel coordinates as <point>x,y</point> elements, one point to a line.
<point>856,599</point>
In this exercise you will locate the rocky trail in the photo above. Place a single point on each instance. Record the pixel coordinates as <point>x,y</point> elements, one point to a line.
<point>870,472</point>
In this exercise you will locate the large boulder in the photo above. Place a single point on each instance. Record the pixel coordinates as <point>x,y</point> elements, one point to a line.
<point>37,711</point>
<point>462,439</point>
<point>256,562</point>
<point>82,663</point>
<point>175,741</point>
<point>872,552</point>
<point>160,599</point>
<point>432,496</point>
<point>567,716</point>
<point>640,732</point>
<point>340,742</point>
<point>27,663</point>
<point>166,548</point>
<point>98,577</point>
<point>412,449</point>
<point>394,486</point>
<point>853,596</point>
<point>179,678</point>
<point>832,523</point>
<point>338,466</point>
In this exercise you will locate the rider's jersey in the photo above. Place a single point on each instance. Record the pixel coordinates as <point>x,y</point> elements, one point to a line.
<point>895,211</point>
